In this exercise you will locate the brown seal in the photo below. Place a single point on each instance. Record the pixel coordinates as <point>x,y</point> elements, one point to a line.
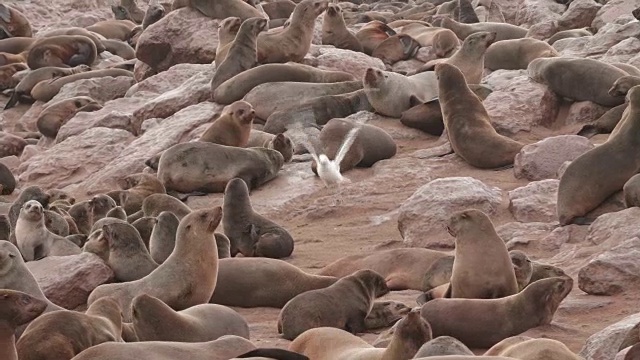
<point>600,172</point>
<point>227,31</point>
<point>113,29</point>
<point>65,334</point>
<point>130,9</point>
<point>543,271</point>
<point>154,204</point>
<point>402,268</point>
<point>623,84</point>
<point>191,167</point>
<point>7,182</point>
<point>250,233</point>
<point>86,213</point>
<point>46,90</point>
<point>343,305</point>
<point>464,114</point>
<point>523,348</point>
<point>30,193</point>
<point>335,32</point>
<point>153,320</point>
<point>443,345</point>
<point>11,144</point>
<point>385,313</point>
<point>522,267</point>
<point>233,126</point>
<point>137,188</point>
<point>13,23</point>
<point>411,333</point>
<point>631,191</point>
<point>54,115</point>
<point>568,34</point>
<point>6,58</point>
<point>119,48</point>
<point>7,72</point>
<point>154,13</point>
<point>396,48</point>
<point>16,45</point>
<point>481,323</point>
<point>96,38</point>
<point>605,123</point>
<point>194,261</point>
<point>224,9</point>
<point>238,86</point>
<point>163,236</point>
<point>503,31</point>
<point>16,309</point>
<point>372,34</point>
<point>62,51</point>
<point>633,353</point>
<point>578,79</point>
<point>145,226</point>
<point>263,282</point>
<point>516,54</point>
<point>280,142</point>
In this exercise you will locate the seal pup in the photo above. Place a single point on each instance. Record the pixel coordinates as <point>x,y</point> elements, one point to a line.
<point>153,320</point>
<point>343,305</point>
<point>522,267</point>
<point>62,51</point>
<point>411,333</point>
<point>263,282</point>
<point>233,126</point>
<point>163,236</point>
<point>279,142</point>
<point>119,48</point>
<point>154,13</point>
<point>249,232</point>
<point>482,323</point>
<point>464,114</point>
<point>390,93</point>
<point>7,182</point>
<point>194,261</point>
<point>137,187</point>
<point>623,84</point>
<point>396,48</point>
<point>113,29</point>
<point>385,313</point>
<point>335,32</point>
<point>135,13</point>
<point>13,23</point>
<point>443,345</point>
<point>605,123</point>
<point>478,246</point>
<point>503,31</point>
<point>581,189</point>
<point>33,192</point>
<point>34,240</point>
<point>227,31</point>
<point>242,54</point>
<point>64,334</point>
<point>54,115</point>
<point>16,309</point>
<point>631,191</point>
<point>8,77</point>
<point>154,204</point>
<point>372,34</point>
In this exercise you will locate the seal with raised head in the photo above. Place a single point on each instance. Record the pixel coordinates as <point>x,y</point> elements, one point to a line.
<point>390,93</point>
<point>343,305</point>
<point>233,126</point>
<point>279,142</point>
<point>600,172</point>
<point>191,167</point>
<point>335,32</point>
<point>62,51</point>
<point>133,12</point>
<point>154,13</point>
<point>33,192</point>
<point>227,31</point>
<point>372,34</point>
<point>482,323</point>
<point>65,334</point>
<point>16,309</point>
<point>46,90</point>
<point>13,23</point>
<point>153,320</point>
<point>250,233</point>
<point>54,115</point>
<point>468,125</point>
<point>186,278</point>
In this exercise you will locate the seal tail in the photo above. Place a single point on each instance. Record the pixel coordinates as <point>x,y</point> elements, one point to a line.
<point>13,100</point>
<point>273,353</point>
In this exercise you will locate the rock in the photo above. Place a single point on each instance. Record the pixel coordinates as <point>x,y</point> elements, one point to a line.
<point>167,81</point>
<point>614,228</point>
<point>142,71</point>
<point>101,89</point>
<point>520,104</point>
<point>584,112</point>
<point>72,160</point>
<point>623,51</point>
<point>606,343</point>
<point>542,160</point>
<point>407,66</point>
<point>610,12</point>
<point>68,280</point>
<point>597,45</point>
<point>543,30</point>
<point>613,271</point>
<point>536,11</point>
<point>182,36</point>
<point>535,202</point>
<point>579,14</point>
<point>523,233</point>
<point>430,207</point>
<point>330,58</point>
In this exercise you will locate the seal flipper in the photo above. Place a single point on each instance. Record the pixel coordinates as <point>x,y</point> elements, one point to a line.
<point>13,100</point>
<point>447,294</point>
<point>273,353</point>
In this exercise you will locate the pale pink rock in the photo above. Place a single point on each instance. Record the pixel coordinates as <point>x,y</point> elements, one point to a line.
<point>613,271</point>
<point>612,10</point>
<point>537,11</point>
<point>543,30</point>
<point>535,202</point>
<point>579,14</point>
<point>16,119</point>
<point>182,36</point>
<point>514,233</point>
<point>584,112</point>
<point>541,160</point>
<point>605,344</point>
<point>100,89</point>
<point>142,71</point>
<point>509,9</point>
<point>68,280</point>
<point>168,80</point>
<point>598,45</point>
<point>70,161</point>
<point>29,151</point>
<point>623,52</point>
<point>355,63</point>
<point>406,66</point>
<point>430,207</point>
<point>614,228</point>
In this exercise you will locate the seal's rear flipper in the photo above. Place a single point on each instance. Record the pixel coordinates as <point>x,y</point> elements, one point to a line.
<point>273,353</point>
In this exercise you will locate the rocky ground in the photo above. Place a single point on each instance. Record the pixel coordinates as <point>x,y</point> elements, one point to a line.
<point>399,202</point>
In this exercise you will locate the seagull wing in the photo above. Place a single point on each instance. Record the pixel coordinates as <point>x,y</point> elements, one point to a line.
<point>346,144</point>
<point>306,142</point>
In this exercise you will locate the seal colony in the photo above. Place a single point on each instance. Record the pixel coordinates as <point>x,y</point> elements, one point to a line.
<point>167,197</point>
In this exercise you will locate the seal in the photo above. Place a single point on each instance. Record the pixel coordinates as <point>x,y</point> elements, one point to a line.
<point>46,90</point>
<point>568,34</point>
<point>119,48</point>
<point>517,53</point>
<point>242,54</point>
<point>580,190</point>
<point>163,236</point>
<point>503,31</point>
<point>292,43</point>
<point>137,188</point>
<point>605,123</point>
<point>122,248</point>
<point>633,352</point>
<point>154,13</point>
<point>153,320</point>
<point>443,345</point>
<point>224,9</point>
<point>402,268</point>
<point>145,225</point>
<point>8,78</point>
<point>16,308</point>
<point>390,93</point>
<point>396,48</point>
<point>343,305</point>
<point>280,142</point>
<point>412,332</point>
<point>482,323</point>
<point>131,9</point>
<point>335,32</point>
<point>8,181</point>
<point>250,233</point>
<point>463,114</point>
<point>478,246</point>
<point>238,86</point>
<point>55,223</point>
<point>227,31</point>
<point>13,23</point>
<point>16,45</point>
<point>263,282</point>
<point>233,126</point>
<point>82,215</point>
<point>439,273</point>
<point>96,38</point>
<point>372,34</point>
<point>623,84</point>
<point>154,204</point>
<point>522,267</point>
<point>530,348</point>
<point>7,59</point>
<point>54,115</point>
<point>444,42</point>
<point>385,313</point>
<point>504,344</point>
<point>62,51</point>
<point>631,191</point>
<point>30,193</point>
<point>34,240</point>
<point>190,167</point>
<point>194,261</point>
<point>113,29</point>
<point>578,79</point>
<point>11,144</point>
<point>65,334</point>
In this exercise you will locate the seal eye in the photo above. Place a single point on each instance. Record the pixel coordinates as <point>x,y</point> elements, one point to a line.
<point>11,255</point>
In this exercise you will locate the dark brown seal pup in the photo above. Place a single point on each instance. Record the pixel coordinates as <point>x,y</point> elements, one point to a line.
<point>137,188</point>
<point>249,232</point>
<point>396,48</point>
<point>481,323</point>
<point>372,34</point>
<point>119,48</point>
<point>16,309</point>
<point>62,51</point>
<point>7,182</point>
<point>464,114</point>
<point>279,142</point>
<point>335,32</point>
<point>13,23</point>
<point>233,126</point>
<point>343,305</point>
<point>8,80</point>
<point>54,115</point>
<point>131,10</point>
<point>154,13</point>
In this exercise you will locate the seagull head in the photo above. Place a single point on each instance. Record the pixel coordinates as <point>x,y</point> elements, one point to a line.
<point>323,160</point>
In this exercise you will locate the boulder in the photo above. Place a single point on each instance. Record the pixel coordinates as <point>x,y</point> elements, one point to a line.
<point>606,343</point>
<point>613,271</point>
<point>541,160</point>
<point>535,202</point>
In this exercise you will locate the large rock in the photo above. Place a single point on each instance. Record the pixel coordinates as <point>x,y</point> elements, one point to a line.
<point>101,89</point>
<point>599,44</point>
<point>613,271</point>
<point>624,51</point>
<point>584,112</point>
<point>68,280</point>
<point>516,233</point>
<point>182,36</point>
<point>70,161</point>
<point>606,343</point>
<point>536,11</point>
<point>329,58</point>
<point>579,14</point>
<point>430,207</point>
<point>535,202</point>
<point>542,160</point>
<point>612,10</point>
<point>614,228</point>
